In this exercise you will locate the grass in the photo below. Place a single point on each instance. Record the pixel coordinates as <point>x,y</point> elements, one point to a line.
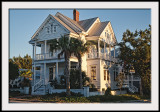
<point>77,98</point>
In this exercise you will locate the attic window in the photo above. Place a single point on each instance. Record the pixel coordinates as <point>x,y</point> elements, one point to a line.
<point>51,28</point>
<point>47,29</point>
<point>105,34</point>
<point>54,29</point>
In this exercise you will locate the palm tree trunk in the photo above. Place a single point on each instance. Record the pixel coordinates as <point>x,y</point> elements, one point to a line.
<point>67,76</point>
<point>80,72</point>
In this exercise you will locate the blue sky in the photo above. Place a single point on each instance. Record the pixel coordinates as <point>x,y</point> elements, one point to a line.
<point>24,23</point>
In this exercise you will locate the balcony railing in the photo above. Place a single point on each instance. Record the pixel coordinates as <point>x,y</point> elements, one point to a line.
<point>49,56</point>
<point>104,56</point>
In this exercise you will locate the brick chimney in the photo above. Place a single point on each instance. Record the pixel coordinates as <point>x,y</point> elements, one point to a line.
<point>75,15</point>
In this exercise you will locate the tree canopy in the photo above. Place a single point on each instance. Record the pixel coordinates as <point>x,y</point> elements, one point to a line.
<point>17,63</point>
<point>13,70</point>
<point>135,51</point>
<point>23,62</point>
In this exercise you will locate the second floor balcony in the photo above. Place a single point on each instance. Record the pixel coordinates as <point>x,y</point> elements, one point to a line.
<point>49,56</point>
<point>105,56</point>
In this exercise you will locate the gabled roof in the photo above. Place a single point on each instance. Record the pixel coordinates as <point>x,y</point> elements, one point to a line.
<point>61,22</point>
<point>92,27</point>
<point>98,28</point>
<point>58,20</point>
<point>70,22</point>
<point>86,24</point>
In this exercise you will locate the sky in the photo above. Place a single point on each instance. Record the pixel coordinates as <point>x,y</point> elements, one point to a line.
<point>24,23</point>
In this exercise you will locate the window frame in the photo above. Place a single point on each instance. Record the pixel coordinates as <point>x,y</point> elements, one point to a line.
<point>93,76</point>
<point>105,76</point>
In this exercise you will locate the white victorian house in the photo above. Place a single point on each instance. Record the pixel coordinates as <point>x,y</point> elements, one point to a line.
<point>99,64</point>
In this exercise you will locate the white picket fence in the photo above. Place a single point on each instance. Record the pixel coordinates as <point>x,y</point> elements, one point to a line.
<point>84,91</point>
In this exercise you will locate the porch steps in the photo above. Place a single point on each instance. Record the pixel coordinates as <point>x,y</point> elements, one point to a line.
<point>40,91</point>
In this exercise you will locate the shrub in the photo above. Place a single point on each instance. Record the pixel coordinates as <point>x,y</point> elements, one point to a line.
<point>92,88</point>
<point>75,81</point>
<point>108,91</point>
<point>25,83</point>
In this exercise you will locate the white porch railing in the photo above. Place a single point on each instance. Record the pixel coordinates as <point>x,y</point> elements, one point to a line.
<point>49,56</point>
<point>38,85</point>
<point>105,56</point>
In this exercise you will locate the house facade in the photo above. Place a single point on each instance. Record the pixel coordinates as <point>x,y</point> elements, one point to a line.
<point>98,63</point>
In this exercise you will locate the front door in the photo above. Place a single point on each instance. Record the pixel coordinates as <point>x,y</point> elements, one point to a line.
<point>51,73</point>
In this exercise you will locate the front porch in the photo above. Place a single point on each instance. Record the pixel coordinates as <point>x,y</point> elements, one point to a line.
<point>44,73</point>
<point>132,83</point>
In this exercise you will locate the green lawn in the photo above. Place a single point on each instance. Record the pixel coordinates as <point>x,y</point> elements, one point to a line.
<point>77,98</point>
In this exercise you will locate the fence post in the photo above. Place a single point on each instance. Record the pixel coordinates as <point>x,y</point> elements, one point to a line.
<point>86,91</point>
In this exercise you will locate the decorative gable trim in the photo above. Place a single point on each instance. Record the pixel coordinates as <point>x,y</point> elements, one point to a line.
<point>111,29</point>
<point>46,21</point>
<point>97,20</point>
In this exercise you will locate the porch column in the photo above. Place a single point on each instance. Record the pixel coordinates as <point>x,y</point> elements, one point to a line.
<point>33,66</point>
<point>104,50</point>
<point>98,48</point>
<point>131,79</point>
<point>110,53</point>
<point>35,50</point>
<point>45,48</point>
<point>44,73</point>
<point>34,73</point>
<point>57,70</point>
<point>33,54</point>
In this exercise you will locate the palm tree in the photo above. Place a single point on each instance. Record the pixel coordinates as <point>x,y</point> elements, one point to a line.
<point>79,49</point>
<point>63,44</point>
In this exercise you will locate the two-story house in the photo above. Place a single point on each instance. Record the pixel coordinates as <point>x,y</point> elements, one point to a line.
<point>98,64</point>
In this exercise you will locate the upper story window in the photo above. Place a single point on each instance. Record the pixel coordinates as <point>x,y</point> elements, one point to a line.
<point>73,67</point>
<point>54,29</point>
<point>47,29</point>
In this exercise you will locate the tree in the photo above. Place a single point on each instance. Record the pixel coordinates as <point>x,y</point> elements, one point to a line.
<point>27,74</point>
<point>13,70</point>
<point>23,62</point>
<point>63,44</point>
<point>135,50</point>
<point>120,80</point>
<point>79,48</point>
<point>75,80</point>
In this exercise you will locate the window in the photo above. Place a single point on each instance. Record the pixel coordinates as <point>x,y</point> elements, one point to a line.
<point>47,29</point>
<point>105,74</point>
<point>93,72</point>
<point>51,28</point>
<point>108,75</point>
<point>73,67</point>
<point>105,34</point>
<point>54,29</point>
<point>51,73</point>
